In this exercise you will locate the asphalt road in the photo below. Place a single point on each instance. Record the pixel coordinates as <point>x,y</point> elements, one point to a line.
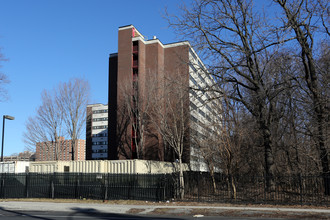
<point>14,210</point>
<point>91,214</point>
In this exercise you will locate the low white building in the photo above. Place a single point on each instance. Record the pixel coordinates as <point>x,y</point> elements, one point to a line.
<point>106,166</point>
<point>14,167</point>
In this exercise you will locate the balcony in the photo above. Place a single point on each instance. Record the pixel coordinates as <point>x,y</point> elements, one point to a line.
<point>135,63</point>
<point>135,49</point>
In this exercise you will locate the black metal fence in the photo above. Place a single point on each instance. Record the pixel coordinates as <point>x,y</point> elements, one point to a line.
<point>252,189</point>
<point>89,186</point>
<point>199,187</point>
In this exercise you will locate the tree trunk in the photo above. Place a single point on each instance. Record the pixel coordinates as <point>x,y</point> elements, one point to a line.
<point>181,179</point>
<point>213,180</point>
<point>73,143</point>
<point>269,157</point>
<point>231,187</point>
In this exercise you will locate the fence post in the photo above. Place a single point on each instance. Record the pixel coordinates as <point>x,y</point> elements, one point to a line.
<point>301,189</point>
<point>199,176</point>
<point>106,177</point>
<point>2,186</point>
<point>162,185</point>
<point>265,190</point>
<point>27,180</point>
<point>77,191</point>
<point>52,189</point>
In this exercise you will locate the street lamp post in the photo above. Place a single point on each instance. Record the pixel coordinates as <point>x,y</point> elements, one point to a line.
<point>3,132</point>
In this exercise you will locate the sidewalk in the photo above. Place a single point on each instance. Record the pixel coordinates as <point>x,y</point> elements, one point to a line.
<point>168,209</point>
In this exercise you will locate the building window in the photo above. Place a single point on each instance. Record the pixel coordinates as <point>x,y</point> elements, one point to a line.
<point>193,93</point>
<point>193,106</point>
<point>208,118</point>
<point>100,143</point>
<point>202,79</point>
<point>194,119</point>
<point>100,111</point>
<point>192,53</point>
<point>201,112</point>
<point>99,127</point>
<point>193,68</point>
<point>208,108</point>
<point>100,119</point>
<point>201,65</point>
<point>100,135</point>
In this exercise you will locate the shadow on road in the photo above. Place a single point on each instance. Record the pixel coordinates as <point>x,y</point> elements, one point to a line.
<point>20,213</point>
<point>100,215</point>
<point>75,214</point>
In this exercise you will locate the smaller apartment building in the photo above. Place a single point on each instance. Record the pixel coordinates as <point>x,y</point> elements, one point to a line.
<point>49,151</point>
<point>97,132</point>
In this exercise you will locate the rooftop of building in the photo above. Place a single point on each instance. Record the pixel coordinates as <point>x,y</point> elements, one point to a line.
<point>153,40</point>
<point>97,104</point>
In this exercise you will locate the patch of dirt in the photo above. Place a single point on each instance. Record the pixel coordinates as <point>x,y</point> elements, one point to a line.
<point>286,215</point>
<point>135,211</point>
<point>161,211</point>
<point>238,213</point>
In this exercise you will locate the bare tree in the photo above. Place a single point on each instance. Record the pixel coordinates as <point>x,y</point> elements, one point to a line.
<point>227,142</point>
<point>45,129</point>
<point>300,18</point>
<point>123,139</point>
<point>3,80</point>
<point>134,110</point>
<point>240,45</point>
<point>72,98</point>
<point>62,113</point>
<point>170,117</point>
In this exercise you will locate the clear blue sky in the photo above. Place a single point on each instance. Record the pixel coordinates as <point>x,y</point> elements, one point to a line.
<point>51,41</point>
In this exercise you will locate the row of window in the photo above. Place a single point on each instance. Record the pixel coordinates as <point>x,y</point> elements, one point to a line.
<point>201,112</point>
<point>100,135</point>
<point>100,127</point>
<point>192,54</point>
<point>100,151</point>
<point>100,111</point>
<point>197,97</point>
<point>192,67</point>
<point>202,102</point>
<point>100,143</point>
<point>100,119</point>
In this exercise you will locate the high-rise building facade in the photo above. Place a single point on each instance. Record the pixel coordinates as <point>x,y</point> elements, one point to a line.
<point>97,132</point>
<point>137,61</point>
<point>61,150</point>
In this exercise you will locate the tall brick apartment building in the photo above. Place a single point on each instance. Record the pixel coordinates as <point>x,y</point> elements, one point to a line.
<point>138,58</point>
<point>45,151</point>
